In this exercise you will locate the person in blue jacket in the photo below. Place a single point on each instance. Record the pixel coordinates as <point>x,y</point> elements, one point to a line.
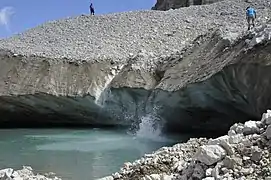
<point>251,16</point>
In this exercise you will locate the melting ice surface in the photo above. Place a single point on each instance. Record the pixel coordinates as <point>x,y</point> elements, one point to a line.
<point>78,154</point>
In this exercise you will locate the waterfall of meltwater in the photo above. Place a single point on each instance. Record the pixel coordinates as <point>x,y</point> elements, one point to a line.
<point>150,128</point>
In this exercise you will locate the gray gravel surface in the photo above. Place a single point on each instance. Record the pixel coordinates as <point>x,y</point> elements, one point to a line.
<point>121,35</point>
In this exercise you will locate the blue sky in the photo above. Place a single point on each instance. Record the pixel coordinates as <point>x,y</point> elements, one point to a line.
<point>19,15</point>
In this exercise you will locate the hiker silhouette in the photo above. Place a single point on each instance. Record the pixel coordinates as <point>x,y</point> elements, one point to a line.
<point>91,8</point>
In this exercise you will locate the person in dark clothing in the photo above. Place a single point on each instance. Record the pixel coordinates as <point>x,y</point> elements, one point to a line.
<point>92,12</point>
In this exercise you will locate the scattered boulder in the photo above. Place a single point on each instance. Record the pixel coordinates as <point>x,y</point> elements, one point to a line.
<point>208,172</point>
<point>209,178</point>
<point>107,178</point>
<point>250,127</point>
<point>268,132</point>
<point>6,172</point>
<point>219,140</point>
<point>223,141</point>
<point>237,128</point>
<point>231,162</point>
<point>24,174</point>
<point>210,154</point>
<point>199,172</point>
<point>266,118</point>
<point>256,154</point>
<point>235,139</point>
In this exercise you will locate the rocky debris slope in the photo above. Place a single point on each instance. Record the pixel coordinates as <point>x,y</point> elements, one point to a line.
<point>242,154</point>
<point>25,174</point>
<point>193,64</point>
<point>174,4</point>
<point>116,37</point>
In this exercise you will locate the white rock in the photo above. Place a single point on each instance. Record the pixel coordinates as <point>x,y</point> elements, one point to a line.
<point>18,178</point>
<point>155,177</point>
<point>231,133</point>
<point>147,177</point>
<point>268,113</point>
<point>259,124</point>
<point>238,128</point>
<point>224,142</point>
<point>246,142</point>
<point>158,177</point>
<point>167,177</point>
<point>256,40</point>
<point>155,160</point>
<point>28,168</point>
<point>230,162</point>
<point>247,41</point>
<point>268,121</point>
<point>25,172</point>
<point>210,154</point>
<point>218,140</point>
<point>199,172</point>
<point>107,178</point>
<point>8,172</point>
<point>40,177</point>
<point>256,154</point>
<point>229,149</point>
<point>215,171</point>
<point>261,37</point>
<point>246,171</point>
<point>127,165</point>
<point>250,127</point>
<point>116,175</point>
<point>266,117</point>
<point>5,177</point>
<point>15,174</point>
<point>268,132</point>
<point>245,158</point>
<point>208,172</point>
<point>209,178</point>
<point>236,139</point>
<point>178,166</point>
